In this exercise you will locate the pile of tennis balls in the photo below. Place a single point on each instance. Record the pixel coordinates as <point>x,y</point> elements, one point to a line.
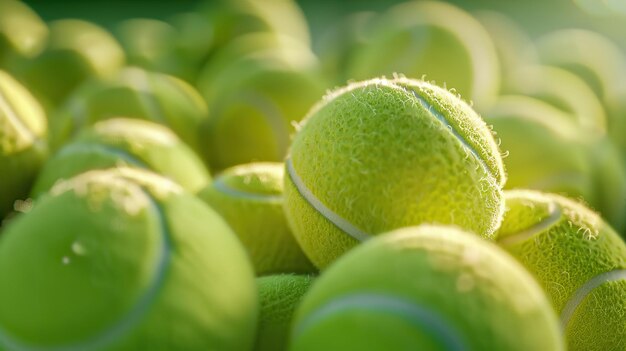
<point>426,179</point>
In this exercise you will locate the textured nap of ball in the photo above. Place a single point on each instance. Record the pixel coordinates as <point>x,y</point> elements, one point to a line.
<point>543,147</point>
<point>76,51</point>
<point>23,146</point>
<point>250,198</point>
<point>133,93</point>
<point>383,154</point>
<point>254,101</point>
<point>436,40</point>
<point>22,32</point>
<point>279,296</point>
<point>577,258</point>
<point>425,288</point>
<point>124,260</point>
<point>565,91</point>
<point>127,143</point>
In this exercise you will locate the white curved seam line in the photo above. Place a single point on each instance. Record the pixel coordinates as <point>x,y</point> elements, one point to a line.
<point>80,148</point>
<point>275,118</point>
<point>584,290</point>
<point>127,322</point>
<point>220,185</point>
<point>146,96</point>
<point>327,213</point>
<point>539,227</point>
<point>418,316</point>
<point>16,122</point>
<point>449,127</point>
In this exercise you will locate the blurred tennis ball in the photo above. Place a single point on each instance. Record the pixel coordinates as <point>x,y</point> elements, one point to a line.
<point>250,198</point>
<point>430,288</point>
<point>383,154</point>
<point>133,93</point>
<point>436,40</point>
<point>577,258</point>
<point>279,296</point>
<point>254,97</point>
<point>76,51</point>
<point>565,91</point>
<point>124,259</point>
<point>22,32</point>
<point>128,143</point>
<point>23,147</point>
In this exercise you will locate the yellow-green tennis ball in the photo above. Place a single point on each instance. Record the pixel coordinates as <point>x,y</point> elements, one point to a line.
<point>543,147</point>
<point>147,42</point>
<point>23,146</point>
<point>250,198</point>
<point>577,258</point>
<point>279,296</point>
<point>124,259</point>
<point>426,288</point>
<point>76,51</point>
<point>565,91</point>
<point>384,154</point>
<point>433,39</point>
<point>133,93</point>
<point>254,101</point>
<point>22,32</point>
<point>128,143</point>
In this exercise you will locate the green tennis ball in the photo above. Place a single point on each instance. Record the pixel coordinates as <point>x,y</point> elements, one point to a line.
<point>565,91</point>
<point>544,150</point>
<point>23,147</point>
<point>383,154</point>
<point>129,143</point>
<point>75,52</point>
<point>133,93</point>
<point>147,42</point>
<point>254,100</point>
<point>250,198</point>
<point>22,32</point>
<point>123,260</point>
<point>577,258</point>
<point>279,296</point>
<point>425,288</point>
<point>433,39</point>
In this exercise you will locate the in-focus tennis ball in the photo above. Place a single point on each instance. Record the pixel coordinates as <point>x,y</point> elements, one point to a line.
<point>133,93</point>
<point>383,154</point>
<point>577,258</point>
<point>250,198</point>
<point>254,99</point>
<point>128,143</point>
<point>76,51</point>
<point>433,39</point>
<point>565,91</point>
<point>543,147</point>
<point>124,260</point>
<point>22,32</point>
<point>279,296</point>
<point>23,146</point>
<point>425,288</point>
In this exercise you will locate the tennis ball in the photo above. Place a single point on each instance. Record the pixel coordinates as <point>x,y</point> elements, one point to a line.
<point>129,143</point>
<point>124,259</point>
<point>250,198</point>
<point>254,101</point>
<point>279,295</point>
<point>425,288</point>
<point>543,146</point>
<point>577,258</point>
<point>565,91</point>
<point>23,146</point>
<point>133,93</point>
<point>22,32</point>
<point>383,154</point>
<point>147,42</point>
<point>436,40</point>
<point>76,51</point>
